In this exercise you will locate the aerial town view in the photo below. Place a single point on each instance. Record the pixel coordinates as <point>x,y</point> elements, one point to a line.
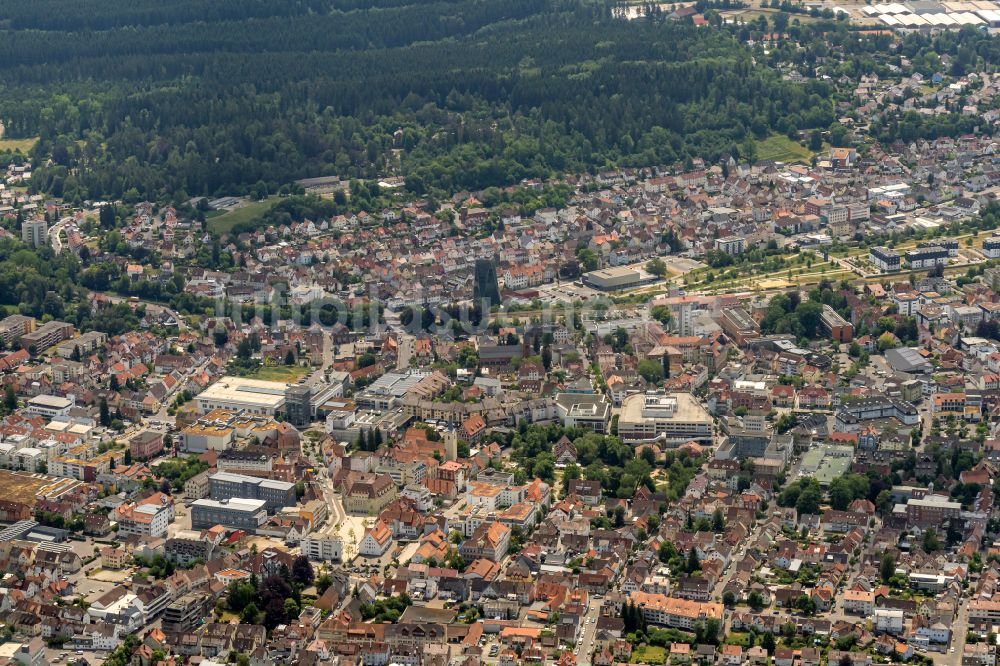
<point>499,333</point>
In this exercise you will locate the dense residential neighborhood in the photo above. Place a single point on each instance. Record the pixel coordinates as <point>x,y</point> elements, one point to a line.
<point>717,411</point>
<point>740,467</point>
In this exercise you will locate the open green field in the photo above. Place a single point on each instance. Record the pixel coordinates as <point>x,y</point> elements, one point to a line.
<point>649,654</point>
<point>749,15</point>
<point>798,269</point>
<point>782,149</point>
<point>280,373</point>
<point>225,222</point>
<point>14,145</point>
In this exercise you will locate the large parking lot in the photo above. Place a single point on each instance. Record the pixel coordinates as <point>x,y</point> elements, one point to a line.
<point>97,582</point>
<point>567,292</point>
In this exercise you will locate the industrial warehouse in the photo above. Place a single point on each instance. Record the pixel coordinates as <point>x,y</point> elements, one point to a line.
<point>924,15</point>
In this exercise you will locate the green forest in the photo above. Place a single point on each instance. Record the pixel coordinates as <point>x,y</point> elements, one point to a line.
<point>180,98</point>
<point>175,99</point>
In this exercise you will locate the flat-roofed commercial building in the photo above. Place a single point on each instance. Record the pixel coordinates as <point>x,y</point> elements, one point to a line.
<point>673,417</point>
<point>389,390</point>
<point>254,396</point>
<point>582,410</point>
<point>276,494</point>
<point>202,437</point>
<point>614,279</point>
<point>221,430</point>
<point>929,582</point>
<point>237,513</point>
<point>48,406</point>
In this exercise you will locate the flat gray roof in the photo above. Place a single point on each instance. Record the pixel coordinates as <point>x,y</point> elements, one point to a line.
<point>53,401</point>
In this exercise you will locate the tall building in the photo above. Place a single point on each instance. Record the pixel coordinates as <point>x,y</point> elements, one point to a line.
<point>887,260</point>
<point>184,613</point>
<point>297,404</point>
<point>682,315</point>
<point>451,445</point>
<point>34,232</point>
<point>739,325</point>
<point>839,328</point>
<point>485,284</point>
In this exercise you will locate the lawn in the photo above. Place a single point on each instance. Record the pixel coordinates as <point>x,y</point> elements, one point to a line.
<point>780,148</point>
<point>224,223</point>
<point>14,145</point>
<point>800,276</point>
<point>280,373</point>
<point>649,654</point>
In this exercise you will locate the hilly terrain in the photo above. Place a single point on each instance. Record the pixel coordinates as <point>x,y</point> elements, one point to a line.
<point>166,100</point>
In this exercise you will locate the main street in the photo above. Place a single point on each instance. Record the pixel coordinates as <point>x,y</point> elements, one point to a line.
<point>953,657</point>
<point>407,345</point>
<point>585,647</point>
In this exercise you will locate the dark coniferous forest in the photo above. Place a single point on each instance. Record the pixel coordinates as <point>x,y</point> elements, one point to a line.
<point>167,99</point>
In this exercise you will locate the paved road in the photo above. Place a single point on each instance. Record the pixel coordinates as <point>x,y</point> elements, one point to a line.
<point>406,340</point>
<point>318,376</point>
<point>730,570</point>
<point>953,657</point>
<point>151,306</point>
<point>54,232</point>
<point>849,266</point>
<point>588,631</point>
<point>407,344</point>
